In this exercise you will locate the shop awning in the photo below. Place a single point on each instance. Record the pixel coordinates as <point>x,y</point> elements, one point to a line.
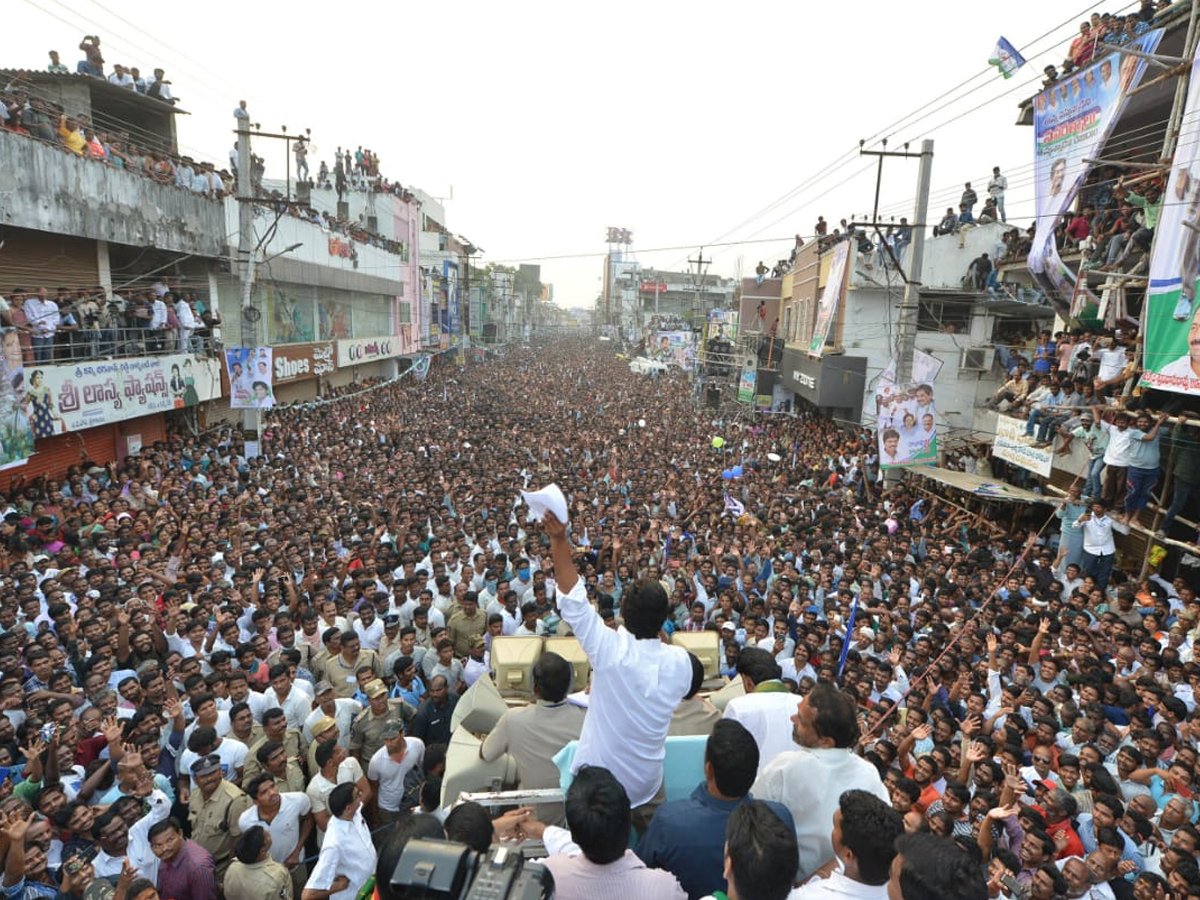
<point>988,489</point>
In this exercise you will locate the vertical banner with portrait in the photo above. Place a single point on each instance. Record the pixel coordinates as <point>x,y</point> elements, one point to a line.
<point>251,377</point>
<point>906,423</point>
<point>1172,360</point>
<point>1072,119</point>
<point>16,429</point>
<point>831,297</point>
<point>747,385</point>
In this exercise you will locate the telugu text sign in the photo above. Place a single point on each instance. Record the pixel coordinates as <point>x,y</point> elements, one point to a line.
<point>84,396</point>
<point>365,350</point>
<point>1012,445</point>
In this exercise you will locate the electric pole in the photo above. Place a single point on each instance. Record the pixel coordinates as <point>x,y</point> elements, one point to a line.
<point>245,195</point>
<point>907,338</point>
<point>912,285</point>
<point>248,313</point>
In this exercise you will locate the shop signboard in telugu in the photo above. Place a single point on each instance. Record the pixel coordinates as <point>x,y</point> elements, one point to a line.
<point>302,362</point>
<point>366,350</point>
<point>1012,445</point>
<point>84,396</point>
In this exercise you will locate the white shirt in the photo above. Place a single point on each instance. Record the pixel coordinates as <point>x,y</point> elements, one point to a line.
<point>1097,535</point>
<point>183,312</point>
<point>296,706</point>
<point>159,318</point>
<point>319,789</point>
<point>636,685</point>
<point>390,774</point>
<point>233,757</point>
<point>43,316</point>
<point>138,850</point>
<point>838,886</point>
<point>767,716</point>
<point>809,782</point>
<point>1119,441</point>
<point>285,827</point>
<point>348,851</point>
<point>369,636</point>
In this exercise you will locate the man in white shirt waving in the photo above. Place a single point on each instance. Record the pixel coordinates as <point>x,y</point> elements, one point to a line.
<point>637,680</point>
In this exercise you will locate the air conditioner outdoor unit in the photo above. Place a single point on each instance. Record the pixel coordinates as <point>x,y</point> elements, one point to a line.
<point>976,359</point>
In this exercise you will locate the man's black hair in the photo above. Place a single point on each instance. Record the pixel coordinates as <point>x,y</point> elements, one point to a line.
<point>758,664</point>
<point>934,868</point>
<point>552,677</point>
<point>470,824</point>
<point>734,755</point>
<point>870,828</point>
<point>645,608</point>
<point>762,851</point>
<point>599,815</point>
<point>837,716</point>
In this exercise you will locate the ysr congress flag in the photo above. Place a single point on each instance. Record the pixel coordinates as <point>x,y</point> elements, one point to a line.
<point>1006,58</point>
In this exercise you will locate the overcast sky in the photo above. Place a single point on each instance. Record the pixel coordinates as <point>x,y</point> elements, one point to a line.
<point>550,121</point>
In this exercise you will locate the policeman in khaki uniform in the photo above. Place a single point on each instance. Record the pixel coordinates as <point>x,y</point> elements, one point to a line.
<point>213,811</point>
<point>324,729</point>
<point>366,734</point>
<point>274,729</point>
<point>253,875</point>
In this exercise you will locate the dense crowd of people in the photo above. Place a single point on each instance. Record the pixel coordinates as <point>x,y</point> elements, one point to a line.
<point>234,677</point>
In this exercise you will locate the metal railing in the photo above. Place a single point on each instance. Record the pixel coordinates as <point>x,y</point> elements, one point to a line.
<point>87,345</point>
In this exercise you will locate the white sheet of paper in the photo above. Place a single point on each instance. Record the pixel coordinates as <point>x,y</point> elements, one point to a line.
<point>548,498</point>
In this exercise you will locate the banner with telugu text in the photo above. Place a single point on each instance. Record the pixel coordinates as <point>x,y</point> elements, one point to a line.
<point>1012,445</point>
<point>1172,346</point>
<point>84,396</point>
<point>1072,120</point>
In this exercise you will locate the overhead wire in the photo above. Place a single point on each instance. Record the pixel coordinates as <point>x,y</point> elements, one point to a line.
<point>912,117</point>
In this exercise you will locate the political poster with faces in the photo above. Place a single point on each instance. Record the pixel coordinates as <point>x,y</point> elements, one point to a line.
<point>906,424</point>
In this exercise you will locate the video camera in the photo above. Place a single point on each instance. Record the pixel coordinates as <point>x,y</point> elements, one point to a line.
<point>446,870</point>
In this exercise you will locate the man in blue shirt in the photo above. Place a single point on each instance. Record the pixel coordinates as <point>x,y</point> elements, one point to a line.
<point>687,837</point>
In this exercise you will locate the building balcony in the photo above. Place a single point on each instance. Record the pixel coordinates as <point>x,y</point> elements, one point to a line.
<point>51,190</point>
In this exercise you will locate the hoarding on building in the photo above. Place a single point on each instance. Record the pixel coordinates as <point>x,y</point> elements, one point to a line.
<point>84,396</point>
<point>1012,445</point>
<point>1072,119</point>
<point>366,350</point>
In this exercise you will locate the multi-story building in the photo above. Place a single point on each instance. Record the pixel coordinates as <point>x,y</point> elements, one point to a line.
<point>337,295</point>
<point>105,386</point>
<point>957,329</point>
